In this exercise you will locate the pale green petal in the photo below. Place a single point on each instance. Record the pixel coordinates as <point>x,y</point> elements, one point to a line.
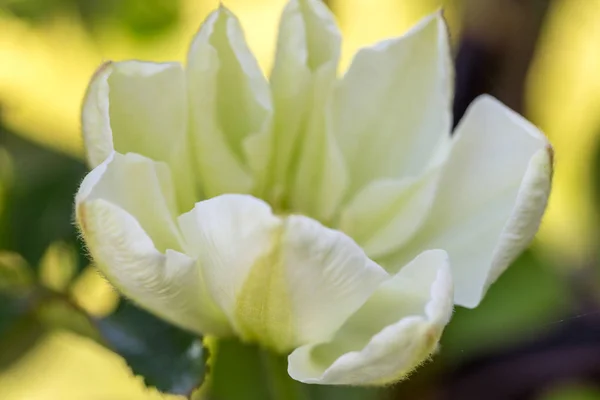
<point>392,109</point>
<point>95,118</point>
<point>309,171</point>
<point>228,234</point>
<point>391,334</point>
<point>282,281</point>
<point>125,210</point>
<point>141,107</point>
<point>387,212</point>
<point>229,104</point>
<point>142,188</point>
<point>492,195</point>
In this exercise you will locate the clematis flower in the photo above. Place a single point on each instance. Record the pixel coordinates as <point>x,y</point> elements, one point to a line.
<point>330,217</point>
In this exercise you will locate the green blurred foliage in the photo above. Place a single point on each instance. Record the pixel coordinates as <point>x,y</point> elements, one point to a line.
<point>166,357</point>
<point>39,206</point>
<point>573,392</point>
<point>140,18</point>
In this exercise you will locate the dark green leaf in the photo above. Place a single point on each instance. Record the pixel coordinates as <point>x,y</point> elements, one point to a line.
<point>19,329</point>
<point>39,204</point>
<point>168,358</point>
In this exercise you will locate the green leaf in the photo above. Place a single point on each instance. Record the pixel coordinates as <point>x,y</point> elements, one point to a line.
<point>39,205</point>
<point>166,357</point>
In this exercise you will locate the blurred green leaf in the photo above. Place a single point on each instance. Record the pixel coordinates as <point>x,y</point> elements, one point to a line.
<point>527,298</point>
<point>573,392</point>
<point>15,274</point>
<point>168,358</point>
<point>141,18</point>
<point>39,206</point>
<point>19,329</point>
<point>33,10</point>
<point>148,17</point>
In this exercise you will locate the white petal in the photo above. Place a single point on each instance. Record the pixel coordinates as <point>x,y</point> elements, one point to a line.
<point>329,277</point>
<point>142,188</point>
<point>391,334</point>
<point>230,103</point>
<point>492,195</point>
<point>282,282</point>
<point>127,223</point>
<point>228,234</point>
<point>392,109</point>
<point>387,212</point>
<point>309,169</point>
<point>140,107</point>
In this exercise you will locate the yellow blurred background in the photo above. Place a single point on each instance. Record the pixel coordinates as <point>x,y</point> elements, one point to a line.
<point>45,67</point>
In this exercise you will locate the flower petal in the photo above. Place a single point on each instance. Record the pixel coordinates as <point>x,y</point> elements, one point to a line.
<point>392,109</point>
<point>142,188</point>
<point>227,234</point>
<point>282,282</point>
<point>391,334</point>
<point>309,169</point>
<point>492,195</point>
<point>140,107</point>
<point>230,103</point>
<point>328,274</point>
<point>387,212</point>
<point>126,217</point>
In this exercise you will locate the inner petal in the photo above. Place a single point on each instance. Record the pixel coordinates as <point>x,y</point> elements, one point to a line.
<point>283,281</point>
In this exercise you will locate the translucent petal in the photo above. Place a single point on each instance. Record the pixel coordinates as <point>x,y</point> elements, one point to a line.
<point>391,334</point>
<point>141,107</point>
<point>229,104</point>
<point>492,195</point>
<point>392,109</point>
<point>125,211</point>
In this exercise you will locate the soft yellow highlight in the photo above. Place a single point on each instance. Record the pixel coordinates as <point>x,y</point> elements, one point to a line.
<point>67,367</point>
<point>564,99</point>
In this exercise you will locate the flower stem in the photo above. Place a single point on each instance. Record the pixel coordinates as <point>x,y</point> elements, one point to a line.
<point>281,386</point>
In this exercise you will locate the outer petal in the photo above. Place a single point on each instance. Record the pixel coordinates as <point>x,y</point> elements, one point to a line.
<point>309,171</point>
<point>125,211</point>
<point>282,282</point>
<point>230,103</point>
<point>140,107</point>
<point>392,109</point>
<point>391,334</point>
<point>492,195</point>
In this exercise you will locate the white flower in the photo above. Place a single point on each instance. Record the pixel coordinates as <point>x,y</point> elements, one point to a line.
<point>370,208</point>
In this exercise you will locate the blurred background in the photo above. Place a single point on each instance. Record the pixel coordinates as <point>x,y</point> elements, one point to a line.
<point>536,335</point>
